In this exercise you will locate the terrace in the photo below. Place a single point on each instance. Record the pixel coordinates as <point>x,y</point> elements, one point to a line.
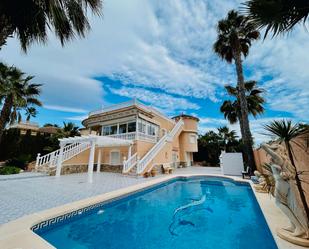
<point>18,196</point>
<point>18,192</point>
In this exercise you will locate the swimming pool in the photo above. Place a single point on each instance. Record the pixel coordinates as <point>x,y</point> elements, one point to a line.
<point>183,213</point>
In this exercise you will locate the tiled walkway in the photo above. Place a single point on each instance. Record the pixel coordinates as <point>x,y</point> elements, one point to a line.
<point>26,195</point>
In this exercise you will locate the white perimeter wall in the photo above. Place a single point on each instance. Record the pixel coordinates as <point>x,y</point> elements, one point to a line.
<point>231,163</point>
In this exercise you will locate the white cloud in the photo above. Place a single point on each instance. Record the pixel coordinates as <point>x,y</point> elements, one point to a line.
<point>205,121</point>
<point>165,45</point>
<point>77,118</point>
<point>64,108</point>
<point>162,101</point>
<point>285,60</point>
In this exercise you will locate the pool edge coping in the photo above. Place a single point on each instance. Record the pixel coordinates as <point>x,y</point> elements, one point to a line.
<point>18,233</point>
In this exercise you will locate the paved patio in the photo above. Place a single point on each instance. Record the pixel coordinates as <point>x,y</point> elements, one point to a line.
<point>29,193</point>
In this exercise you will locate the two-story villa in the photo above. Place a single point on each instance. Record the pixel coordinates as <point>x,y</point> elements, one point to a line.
<point>129,137</point>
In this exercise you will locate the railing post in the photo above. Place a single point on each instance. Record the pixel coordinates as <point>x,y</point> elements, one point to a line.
<point>137,164</point>
<point>37,161</point>
<point>51,159</point>
<point>59,161</point>
<point>124,164</point>
<point>130,151</point>
<point>90,163</point>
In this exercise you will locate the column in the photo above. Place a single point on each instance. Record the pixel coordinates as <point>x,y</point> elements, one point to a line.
<point>136,128</point>
<point>59,161</point>
<point>99,161</point>
<point>129,151</point>
<point>37,161</point>
<point>91,161</point>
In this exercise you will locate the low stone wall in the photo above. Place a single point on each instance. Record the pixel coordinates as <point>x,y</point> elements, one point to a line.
<point>73,169</point>
<point>111,168</point>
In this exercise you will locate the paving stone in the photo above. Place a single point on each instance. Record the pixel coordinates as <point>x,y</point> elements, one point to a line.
<point>25,195</point>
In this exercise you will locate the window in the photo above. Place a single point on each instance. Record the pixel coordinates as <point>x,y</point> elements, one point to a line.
<point>151,130</point>
<point>142,126</point>
<point>115,158</point>
<point>106,130</point>
<point>192,139</point>
<point>123,128</point>
<point>132,127</point>
<point>113,129</point>
<point>147,127</point>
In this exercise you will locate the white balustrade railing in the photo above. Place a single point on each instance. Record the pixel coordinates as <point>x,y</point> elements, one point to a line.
<point>151,154</point>
<point>125,136</point>
<point>130,163</point>
<point>69,151</point>
<point>128,104</point>
<point>136,136</point>
<point>142,164</point>
<point>176,128</point>
<point>146,137</point>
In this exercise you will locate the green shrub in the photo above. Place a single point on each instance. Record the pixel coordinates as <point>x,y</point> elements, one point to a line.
<point>8,170</point>
<point>21,161</point>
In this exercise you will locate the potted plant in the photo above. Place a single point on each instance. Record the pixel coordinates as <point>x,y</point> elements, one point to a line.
<point>153,172</point>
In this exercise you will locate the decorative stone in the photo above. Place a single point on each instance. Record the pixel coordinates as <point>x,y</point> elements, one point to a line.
<point>261,187</point>
<point>288,236</point>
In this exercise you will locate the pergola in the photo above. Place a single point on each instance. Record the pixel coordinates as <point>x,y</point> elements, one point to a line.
<point>94,141</point>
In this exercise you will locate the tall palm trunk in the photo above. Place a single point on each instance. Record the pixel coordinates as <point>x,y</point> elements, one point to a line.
<point>298,182</point>
<point>5,114</point>
<point>244,121</point>
<point>245,154</point>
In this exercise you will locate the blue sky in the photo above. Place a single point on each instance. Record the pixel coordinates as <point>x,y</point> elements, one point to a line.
<point>161,53</point>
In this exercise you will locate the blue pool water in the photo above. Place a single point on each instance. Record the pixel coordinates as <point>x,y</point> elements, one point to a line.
<point>194,213</point>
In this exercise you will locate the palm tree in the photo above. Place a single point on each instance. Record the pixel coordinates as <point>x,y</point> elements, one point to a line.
<point>277,16</point>
<point>16,93</point>
<point>49,124</point>
<point>70,129</point>
<point>227,136</point>
<point>31,112</point>
<point>235,35</point>
<point>286,133</point>
<point>231,109</point>
<point>31,20</point>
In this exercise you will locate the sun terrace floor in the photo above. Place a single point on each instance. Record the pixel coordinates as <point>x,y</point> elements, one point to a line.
<point>28,193</point>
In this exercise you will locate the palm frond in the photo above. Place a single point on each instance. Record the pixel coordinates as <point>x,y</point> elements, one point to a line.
<point>283,129</point>
<point>276,16</point>
<point>235,32</point>
<point>32,20</point>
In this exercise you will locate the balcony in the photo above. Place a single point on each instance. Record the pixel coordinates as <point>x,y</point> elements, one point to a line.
<point>136,136</point>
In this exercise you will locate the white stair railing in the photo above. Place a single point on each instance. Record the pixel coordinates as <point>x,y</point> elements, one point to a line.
<point>130,163</point>
<point>143,163</point>
<point>69,151</point>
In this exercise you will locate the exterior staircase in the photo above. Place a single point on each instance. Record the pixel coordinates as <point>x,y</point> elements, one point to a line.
<point>134,166</point>
<point>129,165</point>
<point>48,162</point>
